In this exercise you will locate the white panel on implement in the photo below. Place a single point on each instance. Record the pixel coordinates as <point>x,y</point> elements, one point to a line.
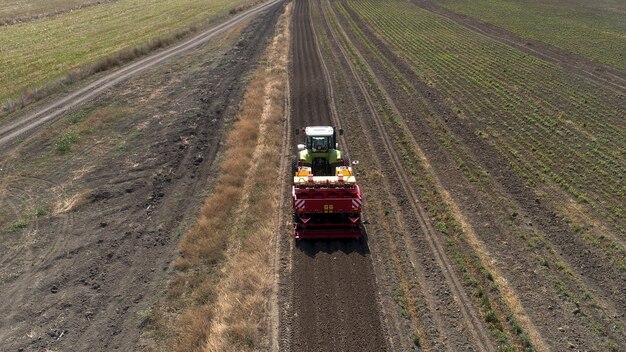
<point>334,180</point>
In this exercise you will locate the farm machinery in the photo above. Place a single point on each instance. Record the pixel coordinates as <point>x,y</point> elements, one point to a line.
<point>327,201</point>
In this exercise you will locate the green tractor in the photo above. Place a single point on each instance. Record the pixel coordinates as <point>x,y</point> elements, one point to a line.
<point>320,153</point>
<point>327,201</point>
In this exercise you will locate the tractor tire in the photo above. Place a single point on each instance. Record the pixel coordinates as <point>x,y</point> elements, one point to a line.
<point>294,165</point>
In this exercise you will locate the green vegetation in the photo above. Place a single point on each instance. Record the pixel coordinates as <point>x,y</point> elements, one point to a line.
<point>65,141</point>
<point>562,135</point>
<point>17,226</point>
<point>25,220</point>
<point>42,51</point>
<point>476,276</point>
<point>594,29</point>
<point>21,10</point>
<point>553,129</point>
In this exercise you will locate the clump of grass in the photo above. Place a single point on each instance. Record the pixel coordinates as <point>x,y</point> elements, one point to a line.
<point>416,340</point>
<point>17,226</point>
<point>23,222</point>
<point>65,141</point>
<point>42,211</point>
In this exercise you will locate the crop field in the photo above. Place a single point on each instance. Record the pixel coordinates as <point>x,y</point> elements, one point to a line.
<point>488,139</point>
<point>593,29</point>
<point>37,52</point>
<point>553,128</point>
<point>23,10</point>
<point>540,152</point>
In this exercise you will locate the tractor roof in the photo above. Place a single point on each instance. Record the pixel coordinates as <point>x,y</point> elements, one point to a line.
<point>319,131</point>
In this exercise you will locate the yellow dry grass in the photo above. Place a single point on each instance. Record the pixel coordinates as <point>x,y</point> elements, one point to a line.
<point>219,298</point>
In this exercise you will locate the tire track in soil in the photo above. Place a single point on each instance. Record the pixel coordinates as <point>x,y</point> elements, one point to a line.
<point>332,301</point>
<point>470,317</point>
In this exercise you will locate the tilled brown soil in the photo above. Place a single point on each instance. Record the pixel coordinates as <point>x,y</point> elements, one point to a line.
<point>328,288</point>
<point>84,274</point>
<point>411,261</point>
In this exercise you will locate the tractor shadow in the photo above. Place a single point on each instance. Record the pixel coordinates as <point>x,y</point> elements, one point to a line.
<point>312,247</point>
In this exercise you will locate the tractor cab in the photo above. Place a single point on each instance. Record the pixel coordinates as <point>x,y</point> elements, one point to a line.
<point>320,152</point>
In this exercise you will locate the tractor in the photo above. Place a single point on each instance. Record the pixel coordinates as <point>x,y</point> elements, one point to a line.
<point>327,201</point>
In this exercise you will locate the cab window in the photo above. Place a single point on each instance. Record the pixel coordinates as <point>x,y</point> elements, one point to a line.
<point>318,144</point>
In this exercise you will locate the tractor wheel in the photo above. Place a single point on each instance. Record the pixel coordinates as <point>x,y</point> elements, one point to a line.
<point>294,165</point>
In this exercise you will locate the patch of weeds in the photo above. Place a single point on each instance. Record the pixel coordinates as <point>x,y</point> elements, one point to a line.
<point>517,328</point>
<point>17,226</point>
<point>77,117</point>
<point>491,317</point>
<point>42,211</point>
<point>402,303</point>
<point>442,227</point>
<point>249,341</point>
<point>598,329</point>
<point>146,317</point>
<point>577,228</point>
<point>561,289</point>
<point>65,142</point>
<point>488,275</point>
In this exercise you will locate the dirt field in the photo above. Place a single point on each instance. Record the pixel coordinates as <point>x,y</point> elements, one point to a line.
<point>98,200</point>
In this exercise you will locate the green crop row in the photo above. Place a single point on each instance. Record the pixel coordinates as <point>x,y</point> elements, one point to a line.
<point>505,134</point>
<point>531,107</point>
<point>476,277</point>
<point>594,29</point>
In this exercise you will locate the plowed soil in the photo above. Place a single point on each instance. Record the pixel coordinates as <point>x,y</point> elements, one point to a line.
<point>329,290</point>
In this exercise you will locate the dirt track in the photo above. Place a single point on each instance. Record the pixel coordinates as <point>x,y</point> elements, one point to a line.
<point>61,106</point>
<point>331,304</point>
<point>85,275</point>
<point>335,302</point>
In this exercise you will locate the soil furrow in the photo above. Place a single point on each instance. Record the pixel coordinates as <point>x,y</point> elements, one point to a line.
<point>333,290</point>
<point>493,208</point>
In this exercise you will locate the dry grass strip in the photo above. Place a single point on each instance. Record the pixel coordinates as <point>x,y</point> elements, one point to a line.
<point>218,299</point>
